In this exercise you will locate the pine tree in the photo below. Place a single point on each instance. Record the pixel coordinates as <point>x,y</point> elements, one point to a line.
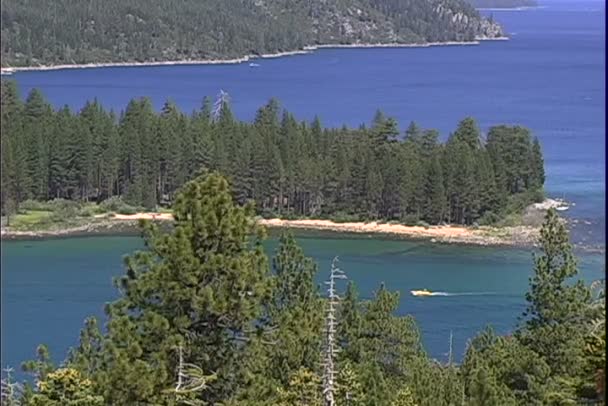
<point>295,311</point>
<point>350,392</point>
<point>552,323</point>
<point>65,387</point>
<point>537,165</point>
<point>483,390</point>
<point>303,390</point>
<point>435,192</point>
<point>38,122</point>
<point>15,182</point>
<point>468,133</point>
<point>202,286</point>
<point>403,397</point>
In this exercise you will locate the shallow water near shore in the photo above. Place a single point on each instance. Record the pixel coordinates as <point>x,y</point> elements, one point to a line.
<point>51,286</point>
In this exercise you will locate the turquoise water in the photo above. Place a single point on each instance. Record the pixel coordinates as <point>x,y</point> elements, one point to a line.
<point>548,77</point>
<point>49,287</point>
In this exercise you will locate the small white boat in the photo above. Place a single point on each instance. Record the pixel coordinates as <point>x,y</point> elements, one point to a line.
<point>423,292</point>
<point>562,204</point>
<point>254,65</point>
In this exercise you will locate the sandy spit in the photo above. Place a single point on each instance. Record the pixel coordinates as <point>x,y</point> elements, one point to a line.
<point>521,236</point>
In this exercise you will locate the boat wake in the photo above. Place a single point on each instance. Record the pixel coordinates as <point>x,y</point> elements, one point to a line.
<point>428,293</point>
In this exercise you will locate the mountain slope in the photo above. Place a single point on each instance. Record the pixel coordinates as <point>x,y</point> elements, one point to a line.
<point>87,31</point>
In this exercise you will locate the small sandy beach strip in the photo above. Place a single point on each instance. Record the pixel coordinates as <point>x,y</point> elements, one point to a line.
<point>372,227</point>
<point>506,236</point>
<point>142,216</point>
<point>513,236</point>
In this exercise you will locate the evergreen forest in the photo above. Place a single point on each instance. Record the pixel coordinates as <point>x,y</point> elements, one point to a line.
<point>204,317</point>
<point>289,168</point>
<point>61,32</point>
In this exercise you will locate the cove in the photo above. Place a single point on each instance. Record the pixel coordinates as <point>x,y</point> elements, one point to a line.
<point>49,287</point>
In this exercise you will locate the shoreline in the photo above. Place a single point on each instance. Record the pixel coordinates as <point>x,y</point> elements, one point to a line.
<point>521,236</point>
<point>521,8</point>
<point>8,70</point>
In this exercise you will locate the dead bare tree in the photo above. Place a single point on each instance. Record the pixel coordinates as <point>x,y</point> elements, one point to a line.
<point>10,391</point>
<point>190,380</point>
<point>222,99</point>
<point>331,348</point>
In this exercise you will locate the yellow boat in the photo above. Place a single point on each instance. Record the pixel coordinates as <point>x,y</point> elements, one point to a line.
<point>422,292</point>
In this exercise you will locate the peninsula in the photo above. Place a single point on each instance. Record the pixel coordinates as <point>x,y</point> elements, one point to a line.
<point>61,169</point>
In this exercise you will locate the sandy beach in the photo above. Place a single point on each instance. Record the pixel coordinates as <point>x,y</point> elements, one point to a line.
<point>7,70</point>
<point>506,236</point>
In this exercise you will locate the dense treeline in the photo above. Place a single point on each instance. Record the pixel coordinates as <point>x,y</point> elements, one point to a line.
<point>76,32</point>
<point>204,318</point>
<point>289,168</point>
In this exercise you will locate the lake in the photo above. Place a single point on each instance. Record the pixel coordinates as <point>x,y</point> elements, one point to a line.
<point>49,287</point>
<point>548,77</point>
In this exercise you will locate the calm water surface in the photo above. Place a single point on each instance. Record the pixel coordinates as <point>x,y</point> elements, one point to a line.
<point>548,77</point>
<point>50,287</point>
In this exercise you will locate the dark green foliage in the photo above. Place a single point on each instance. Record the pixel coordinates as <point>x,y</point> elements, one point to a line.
<point>558,308</point>
<point>207,288</point>
<point>548,360</point>
<point>65,32</point>
<point>288,168</point>
<point>200,287</point>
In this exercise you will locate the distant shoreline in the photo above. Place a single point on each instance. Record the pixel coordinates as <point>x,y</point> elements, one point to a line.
<point>7,70</point>
<point>522,8</point>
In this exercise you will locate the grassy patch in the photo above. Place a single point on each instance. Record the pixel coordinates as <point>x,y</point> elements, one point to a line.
<point>31,219</point>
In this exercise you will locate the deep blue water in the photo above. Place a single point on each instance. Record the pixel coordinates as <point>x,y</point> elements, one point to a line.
<point>548,77</point>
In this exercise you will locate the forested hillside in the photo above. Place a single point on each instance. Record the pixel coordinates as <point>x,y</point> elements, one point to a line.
<point>76,32</point>
<point>203,317</point>
<point>288,167</point>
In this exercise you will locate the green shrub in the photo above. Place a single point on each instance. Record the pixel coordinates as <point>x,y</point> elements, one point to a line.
<point>64,209</point>
<point>289,216</point>
<point>510,220</point>
<point>127,210</point>
<point>115,204</point>
<point>342,217</point>
<point>35,205</point>
<point>422,223</point>
<point>410,220</point>
<point>518,202</point>
<point>488,219</point>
